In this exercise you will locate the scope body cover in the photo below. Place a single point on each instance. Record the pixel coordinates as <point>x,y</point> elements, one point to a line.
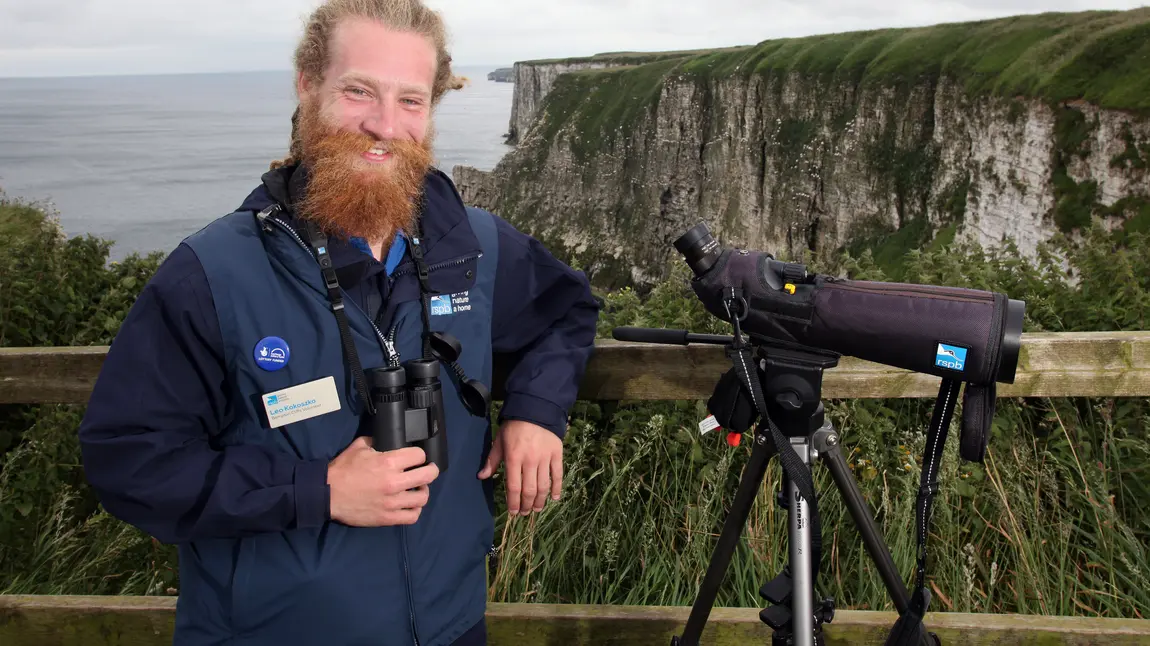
<point>950,332</point>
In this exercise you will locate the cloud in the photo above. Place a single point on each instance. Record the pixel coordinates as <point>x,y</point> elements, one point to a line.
<point>53,37</point>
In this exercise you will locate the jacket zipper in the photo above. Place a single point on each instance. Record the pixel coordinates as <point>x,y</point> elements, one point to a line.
<point>388,344</point>
<point>408,268</point>
<point>393,360</point>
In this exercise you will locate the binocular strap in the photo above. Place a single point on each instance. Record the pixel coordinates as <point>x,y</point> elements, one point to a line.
<point>319,245</point>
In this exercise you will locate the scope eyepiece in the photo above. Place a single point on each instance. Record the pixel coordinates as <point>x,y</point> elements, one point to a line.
<point>699,248</point>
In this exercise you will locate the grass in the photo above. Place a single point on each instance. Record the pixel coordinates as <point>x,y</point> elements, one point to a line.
<point>1096,56</point>
<point>1035,530</point>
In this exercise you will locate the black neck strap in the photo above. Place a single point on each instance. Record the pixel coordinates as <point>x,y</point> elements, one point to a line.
<point>318,241</point>
<point>422,272</point>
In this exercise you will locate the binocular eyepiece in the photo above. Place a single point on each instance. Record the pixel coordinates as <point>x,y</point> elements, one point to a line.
<point>408,402</point>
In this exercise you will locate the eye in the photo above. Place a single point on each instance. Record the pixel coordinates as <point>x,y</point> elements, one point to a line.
<point>357,92</point>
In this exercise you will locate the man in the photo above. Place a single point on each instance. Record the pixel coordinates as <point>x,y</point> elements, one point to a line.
<point>230,418</point>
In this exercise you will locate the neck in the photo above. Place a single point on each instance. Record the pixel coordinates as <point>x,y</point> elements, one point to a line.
<point>376,245</point>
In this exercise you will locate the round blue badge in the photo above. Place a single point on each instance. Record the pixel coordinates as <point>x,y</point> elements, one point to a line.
<point>272,353</point>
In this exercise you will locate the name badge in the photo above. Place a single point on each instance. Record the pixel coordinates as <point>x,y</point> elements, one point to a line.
<point>301,402</point>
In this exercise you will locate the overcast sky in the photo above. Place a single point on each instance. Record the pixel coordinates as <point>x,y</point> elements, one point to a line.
<point>82,37</point>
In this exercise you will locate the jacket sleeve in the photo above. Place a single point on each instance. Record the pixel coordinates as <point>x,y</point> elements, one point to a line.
<point>544,323</point>
<point>147,438</point>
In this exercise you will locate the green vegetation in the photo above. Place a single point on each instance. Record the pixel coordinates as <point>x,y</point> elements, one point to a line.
<point>58,291</point>
<point>1096,56</point>
<point>603,106</point>
<point>1055,522</point>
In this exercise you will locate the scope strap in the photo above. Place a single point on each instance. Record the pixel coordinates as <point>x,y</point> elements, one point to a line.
<point>318,241</point>
<point>799,473</point>
<point>908,630</point>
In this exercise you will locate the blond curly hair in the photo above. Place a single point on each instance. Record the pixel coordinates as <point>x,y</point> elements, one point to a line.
<point>313,53</point>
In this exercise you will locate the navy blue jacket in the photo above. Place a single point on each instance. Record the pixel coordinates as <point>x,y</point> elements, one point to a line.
<point>150,435</point>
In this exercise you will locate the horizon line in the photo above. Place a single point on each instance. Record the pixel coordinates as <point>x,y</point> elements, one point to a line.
<point>255,70</point>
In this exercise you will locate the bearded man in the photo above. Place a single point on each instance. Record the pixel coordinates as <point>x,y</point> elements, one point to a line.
<point>241,412</point>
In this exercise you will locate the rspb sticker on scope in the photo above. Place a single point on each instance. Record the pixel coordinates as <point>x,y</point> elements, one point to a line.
<point>951,357</point>
<point>447,304</point>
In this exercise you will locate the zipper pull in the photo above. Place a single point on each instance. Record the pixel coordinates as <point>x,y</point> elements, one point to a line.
<point>263,215</point>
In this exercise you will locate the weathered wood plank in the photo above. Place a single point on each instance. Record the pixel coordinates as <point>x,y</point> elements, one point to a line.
<point>1087,364</point>
<point>61,375</point>
<point>147,621</point>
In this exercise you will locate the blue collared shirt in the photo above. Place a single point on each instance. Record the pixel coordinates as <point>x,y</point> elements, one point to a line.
<point>394,254</point>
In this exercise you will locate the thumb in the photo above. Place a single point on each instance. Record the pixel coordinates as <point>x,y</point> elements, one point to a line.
<point>493,460</point>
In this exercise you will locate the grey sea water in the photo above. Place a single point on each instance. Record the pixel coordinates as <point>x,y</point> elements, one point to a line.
<point>146,160</point>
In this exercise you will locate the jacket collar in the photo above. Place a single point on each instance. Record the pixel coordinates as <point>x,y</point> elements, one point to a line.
<point>446,231</point>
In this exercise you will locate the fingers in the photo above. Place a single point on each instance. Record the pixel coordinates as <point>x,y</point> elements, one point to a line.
<point>556,476</point>
<point>414,499</point>
<point>402,517</point>
<point>530,486</point>
<point>406,458</point>
<point>494,457</point>
<point>543,477</point>
<point>514,487</point>
<point>419,477</point>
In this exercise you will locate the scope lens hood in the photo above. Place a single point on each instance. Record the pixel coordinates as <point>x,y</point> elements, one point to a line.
<point>1011,340</point>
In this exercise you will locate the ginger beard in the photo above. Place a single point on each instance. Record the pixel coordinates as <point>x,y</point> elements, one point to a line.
<point>349,196</point>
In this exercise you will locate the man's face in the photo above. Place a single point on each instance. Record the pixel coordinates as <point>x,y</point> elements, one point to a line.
<point>378,83</point>
<point>366,131</point>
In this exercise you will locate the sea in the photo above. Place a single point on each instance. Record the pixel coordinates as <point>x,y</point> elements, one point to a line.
<point>144,161</point>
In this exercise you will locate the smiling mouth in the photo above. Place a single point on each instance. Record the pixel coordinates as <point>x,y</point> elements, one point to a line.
<point>377,154</point>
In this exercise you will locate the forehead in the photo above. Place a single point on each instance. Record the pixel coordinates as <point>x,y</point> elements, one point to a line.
<point>370,49</point>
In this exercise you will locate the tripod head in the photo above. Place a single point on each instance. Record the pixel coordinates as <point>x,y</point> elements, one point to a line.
<point>790,374</point>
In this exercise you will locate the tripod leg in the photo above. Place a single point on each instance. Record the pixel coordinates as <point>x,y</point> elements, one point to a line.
<point>749,486</point>
<point>802,597</point>
<point>828,446</point>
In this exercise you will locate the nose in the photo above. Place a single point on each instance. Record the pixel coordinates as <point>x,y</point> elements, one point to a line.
<point>380,122</point>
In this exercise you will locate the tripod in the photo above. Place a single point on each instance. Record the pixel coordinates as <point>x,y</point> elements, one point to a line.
<point>792,387</point>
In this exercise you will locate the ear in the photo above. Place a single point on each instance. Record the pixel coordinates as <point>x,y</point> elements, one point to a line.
<point>302,85</point>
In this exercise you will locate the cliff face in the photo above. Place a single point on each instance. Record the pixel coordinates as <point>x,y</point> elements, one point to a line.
<point>895,139</point>
<point>533,82</point>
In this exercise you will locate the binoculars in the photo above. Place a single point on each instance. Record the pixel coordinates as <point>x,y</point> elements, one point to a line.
<point>408,409</point>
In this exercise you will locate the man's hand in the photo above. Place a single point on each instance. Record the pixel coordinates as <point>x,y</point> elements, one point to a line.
<point>371,488</point>
<point>534,457</point>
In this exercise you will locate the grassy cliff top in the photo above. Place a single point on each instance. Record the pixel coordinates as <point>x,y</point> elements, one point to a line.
<point>633,58</point>
<point>1099,56</point>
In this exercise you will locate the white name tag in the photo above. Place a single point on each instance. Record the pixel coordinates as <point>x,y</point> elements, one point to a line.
<point>301,402</point>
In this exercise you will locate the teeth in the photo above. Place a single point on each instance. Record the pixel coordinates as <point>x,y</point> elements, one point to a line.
<point>377,151</point>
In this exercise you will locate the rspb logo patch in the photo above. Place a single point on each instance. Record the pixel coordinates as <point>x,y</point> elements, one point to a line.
<point>950,357</point>
<point>446,304</point>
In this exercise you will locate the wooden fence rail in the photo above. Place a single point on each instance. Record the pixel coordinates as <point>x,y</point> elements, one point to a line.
<point>1059,364</point>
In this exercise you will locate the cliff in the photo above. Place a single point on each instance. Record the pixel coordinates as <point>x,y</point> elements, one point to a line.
<point>534,79</point>
<point>889,139</point>
<point>502,75</point>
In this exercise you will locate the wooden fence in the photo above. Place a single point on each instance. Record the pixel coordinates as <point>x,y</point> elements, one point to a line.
<point>1093,364</point>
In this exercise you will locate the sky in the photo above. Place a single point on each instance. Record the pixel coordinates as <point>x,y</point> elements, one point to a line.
<point>101,37</point>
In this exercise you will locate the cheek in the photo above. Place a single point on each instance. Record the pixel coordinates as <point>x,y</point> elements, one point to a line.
<point>347,115</point>
<point>415,125</point>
